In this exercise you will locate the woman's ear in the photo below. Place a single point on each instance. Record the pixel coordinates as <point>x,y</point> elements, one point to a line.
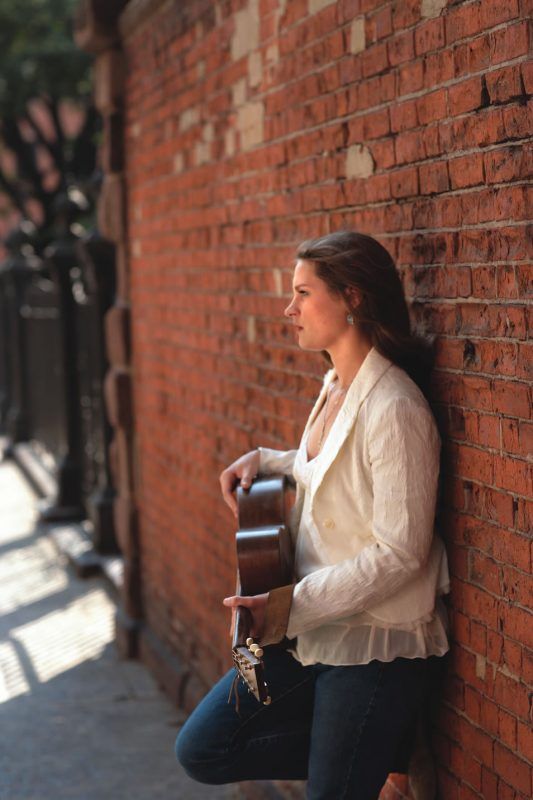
<point>352,297</point>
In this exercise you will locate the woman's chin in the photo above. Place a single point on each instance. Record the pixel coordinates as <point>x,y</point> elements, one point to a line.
<point>304,344</point>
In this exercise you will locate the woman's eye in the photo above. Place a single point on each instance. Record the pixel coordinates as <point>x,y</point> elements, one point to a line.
<point>302,291</point>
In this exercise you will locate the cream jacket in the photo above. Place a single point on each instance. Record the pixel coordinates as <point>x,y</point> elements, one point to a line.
<point>373,500</point>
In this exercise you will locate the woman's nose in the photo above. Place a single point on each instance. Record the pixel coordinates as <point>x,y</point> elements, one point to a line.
<point>289,311</point>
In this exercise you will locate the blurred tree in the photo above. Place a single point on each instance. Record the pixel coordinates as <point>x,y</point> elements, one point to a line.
<point>48,124</point>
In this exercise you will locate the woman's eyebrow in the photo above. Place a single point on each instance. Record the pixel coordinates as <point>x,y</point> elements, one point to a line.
<point>301,285</point>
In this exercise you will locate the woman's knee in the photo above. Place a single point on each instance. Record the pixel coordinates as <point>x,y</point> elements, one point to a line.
<point>196,760</point>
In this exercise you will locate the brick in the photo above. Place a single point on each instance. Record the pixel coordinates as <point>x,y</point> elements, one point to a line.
<point>484,282</point>
<point>497,357</point>
<point>489,784</point>
<point>245,36</point>
<point>466,171</point>
<point>406,14</point>
<point>524,278</point>
<point>515,120</point>
<point>374,59</point>
<point>432,107</point>
<point>429,36</point>
<point>516,624</point>
<point>492,12</point>
<point>504,84</point>
<point>512,769</point>
<point>403,116</point>
<point>513,475</point>
<point>439,68</point>
<point>527,76</point>
<point>379,24</point>
<point>357,35</point>
<point>485,572</point>
<point>462,22</point>
<point>404,183</point>
<point>401,49</point>
<point>511,398</point>
<point>472,56</point>
<point>478,605</point>
<point>507,285</point>
<point>525,740</point>
<point>465,96</point>
<point>488,503</point>
<point>410,75</point>
<point>359,162</point>
<point>509,42</point>
<point>507,729</point>
<point>434,178</point>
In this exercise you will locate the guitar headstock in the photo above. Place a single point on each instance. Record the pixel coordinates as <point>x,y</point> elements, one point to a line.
<point>248,663</point>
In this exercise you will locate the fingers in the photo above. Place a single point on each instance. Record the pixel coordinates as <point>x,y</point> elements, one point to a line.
<point>244,469</point>
<point>248,476</point>
<point>228,481</point>
<point>236,600</point>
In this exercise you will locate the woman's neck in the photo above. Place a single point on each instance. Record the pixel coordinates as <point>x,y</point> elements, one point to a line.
<point>347,358</point>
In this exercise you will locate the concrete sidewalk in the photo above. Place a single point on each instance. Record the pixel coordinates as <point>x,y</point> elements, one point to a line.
<point>77,722</point>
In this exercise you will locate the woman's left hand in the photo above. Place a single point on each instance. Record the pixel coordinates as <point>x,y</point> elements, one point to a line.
<point>257,605</point>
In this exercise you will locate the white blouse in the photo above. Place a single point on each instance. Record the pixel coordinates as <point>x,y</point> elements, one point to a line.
<point>356,639</point>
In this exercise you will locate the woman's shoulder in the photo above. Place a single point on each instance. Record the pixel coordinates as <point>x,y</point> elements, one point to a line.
<point>397,394</point>
<point>396,384</point>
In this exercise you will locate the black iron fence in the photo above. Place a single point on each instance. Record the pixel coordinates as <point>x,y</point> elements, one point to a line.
<point>52,367</point>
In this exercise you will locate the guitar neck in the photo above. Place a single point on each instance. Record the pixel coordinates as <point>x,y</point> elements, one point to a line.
<point>243,625</point>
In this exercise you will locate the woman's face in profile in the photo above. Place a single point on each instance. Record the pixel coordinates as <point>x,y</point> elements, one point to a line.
<point>318,315</point>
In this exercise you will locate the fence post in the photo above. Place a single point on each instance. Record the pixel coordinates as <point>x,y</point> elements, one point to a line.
<point>16,272</point>
<point>61,260</point>
<point>96,257</point>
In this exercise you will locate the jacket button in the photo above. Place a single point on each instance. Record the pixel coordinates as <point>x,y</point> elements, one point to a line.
<point>329,523</point>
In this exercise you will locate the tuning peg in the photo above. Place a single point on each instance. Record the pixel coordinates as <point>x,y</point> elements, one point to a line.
<point>249,641</point>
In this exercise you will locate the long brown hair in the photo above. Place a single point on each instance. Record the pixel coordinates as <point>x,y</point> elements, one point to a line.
<point>349,260</point>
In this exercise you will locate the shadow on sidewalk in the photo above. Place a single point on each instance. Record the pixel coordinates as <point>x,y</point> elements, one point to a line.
<point>78,723</point>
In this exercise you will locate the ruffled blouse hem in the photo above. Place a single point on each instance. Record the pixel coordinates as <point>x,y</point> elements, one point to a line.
<point>366,642</point>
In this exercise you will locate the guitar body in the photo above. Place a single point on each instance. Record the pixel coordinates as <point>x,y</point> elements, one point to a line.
<point>264,560</point>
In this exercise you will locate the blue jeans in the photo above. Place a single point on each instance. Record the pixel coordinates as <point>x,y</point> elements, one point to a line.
<point>344,729</point>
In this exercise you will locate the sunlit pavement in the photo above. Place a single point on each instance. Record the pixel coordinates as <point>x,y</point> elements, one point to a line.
<point>76,722</point>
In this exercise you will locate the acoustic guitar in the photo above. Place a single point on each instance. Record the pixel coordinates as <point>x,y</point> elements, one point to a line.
<point>264,562</point>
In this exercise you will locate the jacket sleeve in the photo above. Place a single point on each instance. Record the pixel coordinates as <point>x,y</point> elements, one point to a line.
<point>271,461</point>
<point>404,449</point>
<point>277,614</point>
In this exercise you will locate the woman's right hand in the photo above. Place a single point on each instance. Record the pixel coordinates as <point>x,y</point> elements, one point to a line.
<point>244,469</point>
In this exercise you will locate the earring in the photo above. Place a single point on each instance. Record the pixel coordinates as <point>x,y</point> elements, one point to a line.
<point>350,319</point>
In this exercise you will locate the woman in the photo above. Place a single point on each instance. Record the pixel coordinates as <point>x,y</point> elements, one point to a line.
<point>349,647</point>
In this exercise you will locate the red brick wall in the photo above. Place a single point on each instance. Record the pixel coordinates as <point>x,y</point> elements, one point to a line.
<point>246,134</point>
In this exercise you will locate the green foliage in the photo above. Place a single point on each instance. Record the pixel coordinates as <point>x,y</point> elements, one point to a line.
<point>38,56</point>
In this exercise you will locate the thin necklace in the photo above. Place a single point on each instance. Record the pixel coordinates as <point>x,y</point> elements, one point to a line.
<point>324,420</point>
